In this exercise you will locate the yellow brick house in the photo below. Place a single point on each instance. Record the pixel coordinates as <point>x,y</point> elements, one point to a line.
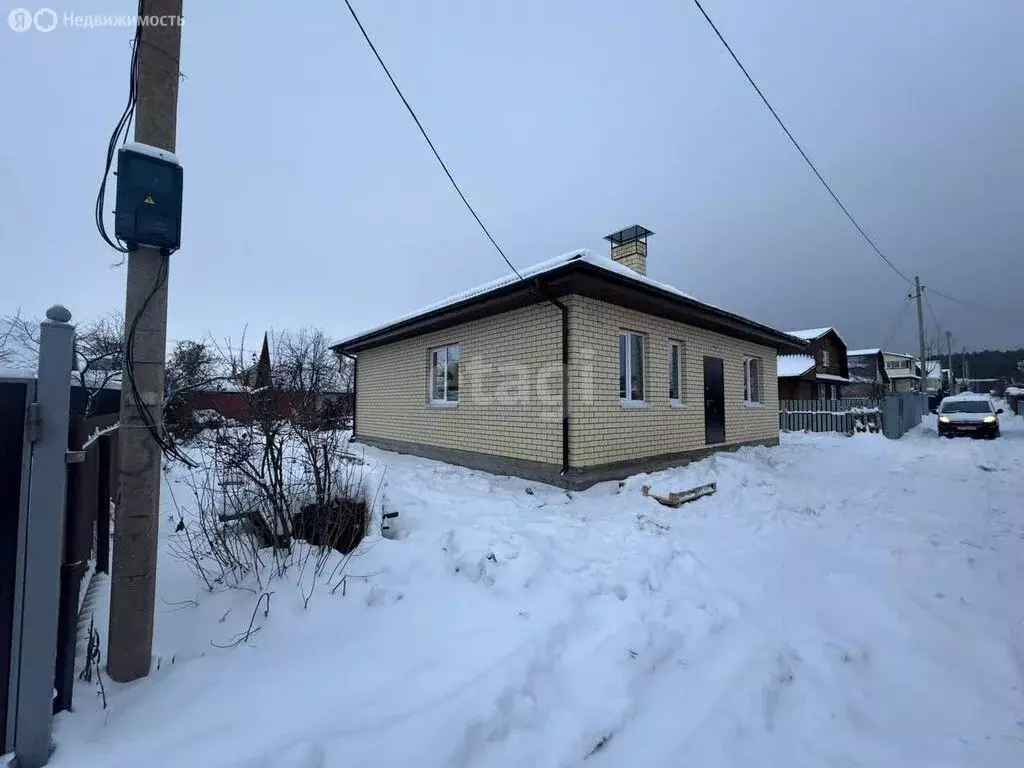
<point>583,369</point>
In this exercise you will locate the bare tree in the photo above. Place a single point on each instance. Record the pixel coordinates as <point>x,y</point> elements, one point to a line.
<point>19,341</point>
<point>8,338</point>
<point>99,355</point>
<point>313,377</point>
<point>99,350</point>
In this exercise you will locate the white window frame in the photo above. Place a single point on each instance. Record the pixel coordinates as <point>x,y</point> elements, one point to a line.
<point>747,401</point>
<point>824,358</point>
<point>628,401</point>
<point>443,402</point>
<point>680,370</point>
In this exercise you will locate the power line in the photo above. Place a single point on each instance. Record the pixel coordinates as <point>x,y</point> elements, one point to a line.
<point>931,311</point>
<point>800,149</point>
<point>412,113</point>
<point>896,323</point>
<point>974,304</point>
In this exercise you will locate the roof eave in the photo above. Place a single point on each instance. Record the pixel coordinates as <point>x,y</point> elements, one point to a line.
<point>564,280</point>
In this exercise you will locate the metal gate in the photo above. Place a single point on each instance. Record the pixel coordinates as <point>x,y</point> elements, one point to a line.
<point>16,395</point>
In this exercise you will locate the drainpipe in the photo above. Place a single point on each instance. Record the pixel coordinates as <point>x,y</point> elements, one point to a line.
<point>355,370</point>
<point>565,373</point>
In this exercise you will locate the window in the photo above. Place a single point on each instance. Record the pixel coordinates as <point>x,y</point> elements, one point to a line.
<point>752,381</point>
<point>824,358</point>
<point>444,375</point>
<point>676,372</point>
<point>631,367</point>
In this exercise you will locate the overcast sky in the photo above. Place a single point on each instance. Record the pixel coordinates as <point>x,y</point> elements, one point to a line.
<point>312,200</point>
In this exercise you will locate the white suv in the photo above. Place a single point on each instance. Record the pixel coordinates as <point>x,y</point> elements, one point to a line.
<point>969,414</point>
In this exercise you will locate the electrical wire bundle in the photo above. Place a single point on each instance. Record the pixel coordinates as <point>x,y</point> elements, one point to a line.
<point>167,445</point>
<point>120,134</point>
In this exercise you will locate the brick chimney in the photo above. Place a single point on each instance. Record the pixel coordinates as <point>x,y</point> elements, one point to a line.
<point>629,247</point>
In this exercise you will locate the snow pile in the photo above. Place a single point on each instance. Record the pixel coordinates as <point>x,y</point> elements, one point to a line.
<point>837,602</point>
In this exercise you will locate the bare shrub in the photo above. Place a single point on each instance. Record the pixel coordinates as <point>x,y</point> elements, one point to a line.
<point>285,475</point>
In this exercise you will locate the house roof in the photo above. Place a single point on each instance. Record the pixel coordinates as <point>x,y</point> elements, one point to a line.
<point>811,334</point>
<point>583,272</point>
<point>791,366</point>
<point>898,354</point>
<point>862,352</point>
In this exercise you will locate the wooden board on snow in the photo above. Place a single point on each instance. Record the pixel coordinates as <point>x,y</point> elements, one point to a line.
<point>678,498</point>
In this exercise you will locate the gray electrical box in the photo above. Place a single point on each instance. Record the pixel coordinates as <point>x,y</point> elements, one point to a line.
<point>149,191</point>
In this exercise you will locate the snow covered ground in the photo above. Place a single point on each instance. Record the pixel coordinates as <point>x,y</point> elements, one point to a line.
<point>839,602</point>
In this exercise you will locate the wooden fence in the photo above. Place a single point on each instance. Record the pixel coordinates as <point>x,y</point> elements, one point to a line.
<point>849,416</point>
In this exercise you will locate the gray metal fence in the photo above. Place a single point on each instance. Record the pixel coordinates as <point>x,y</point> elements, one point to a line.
<point>35,477</point>
<point>901,413</point>
<point>849,415</point>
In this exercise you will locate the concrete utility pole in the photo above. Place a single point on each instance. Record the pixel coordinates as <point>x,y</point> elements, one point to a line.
<point>133,577</point>
<point>920,331</point>
<point>949,358</point>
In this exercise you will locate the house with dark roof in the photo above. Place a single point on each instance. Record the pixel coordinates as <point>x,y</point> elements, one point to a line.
<point>581,368</point>
<point>819,371</point>
<point>868,374</point>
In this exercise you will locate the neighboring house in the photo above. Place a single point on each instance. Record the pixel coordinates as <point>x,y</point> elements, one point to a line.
<point>868,376</point>
<point>904,371</point>
<point>932,375</point>
<point>827,373</point>
<point>583,370</point>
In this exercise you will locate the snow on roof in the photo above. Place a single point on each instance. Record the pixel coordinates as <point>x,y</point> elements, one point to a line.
<point>583,255</point>
<point>862,352</point>
<point>794,365</point>
<point>810,334</point>
<point>832,377</point>
<point>1014,391</point>
<point>147,149</point>
<point>814,333</point>
<point>898,354</point>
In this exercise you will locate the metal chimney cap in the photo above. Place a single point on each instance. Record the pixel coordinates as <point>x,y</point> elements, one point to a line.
<point>628,235</point>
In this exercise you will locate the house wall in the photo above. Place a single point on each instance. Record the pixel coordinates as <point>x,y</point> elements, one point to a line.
<point>510,392</point>
<point>901,385</point>
<point>836,355</point>
<point>603,431</point>
<point>791,388</point>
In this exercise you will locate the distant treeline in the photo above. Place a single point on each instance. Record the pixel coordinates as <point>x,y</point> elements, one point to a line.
<point>989,364</point>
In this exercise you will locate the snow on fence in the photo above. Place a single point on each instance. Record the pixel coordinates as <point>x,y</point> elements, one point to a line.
<point>893,415</point>
<point>849,415</point>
